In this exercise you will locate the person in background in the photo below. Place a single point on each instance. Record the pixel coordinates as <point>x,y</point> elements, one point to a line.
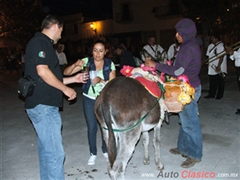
<point>173,49</point>
<point>216,68</point>
<point>110,51</point>
<point>80,52</point>
<point>42,65</point>
<point>200,42</point>
<point>187,62</point>
<point>134,49</point>
<point>13,62</point>
<point>105,71</point>
<point>22,60</point>
<point>126,57</point>
<point>152,49</point>
<point>235,56</point>
<point>61,56</point>
<point>123,46</point>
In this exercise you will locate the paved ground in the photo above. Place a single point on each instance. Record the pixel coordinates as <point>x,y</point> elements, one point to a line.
<point>220,127</point>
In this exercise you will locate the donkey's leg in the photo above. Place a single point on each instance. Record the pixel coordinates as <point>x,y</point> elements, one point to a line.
<point>156,144</point>
<point>113,170</point>
<point>127,142</point>
<point>105,133</point>
<point>145,142</point>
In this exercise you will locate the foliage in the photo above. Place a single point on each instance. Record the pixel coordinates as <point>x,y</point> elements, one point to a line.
<point>19,20</point>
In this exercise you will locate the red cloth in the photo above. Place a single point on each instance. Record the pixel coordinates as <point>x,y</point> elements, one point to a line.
<point>152,87</point>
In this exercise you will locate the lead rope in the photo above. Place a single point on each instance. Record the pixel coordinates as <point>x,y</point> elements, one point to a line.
<point>133,126</point>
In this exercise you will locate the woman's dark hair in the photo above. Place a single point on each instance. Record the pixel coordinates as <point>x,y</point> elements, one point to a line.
<point>49,20</point>
<point>99,41</point>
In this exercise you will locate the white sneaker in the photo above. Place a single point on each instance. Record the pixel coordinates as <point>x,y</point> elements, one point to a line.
<point>92,159</point>
<point>106,156</point>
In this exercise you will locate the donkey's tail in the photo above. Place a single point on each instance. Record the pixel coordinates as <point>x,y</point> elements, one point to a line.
<point>112,148</point>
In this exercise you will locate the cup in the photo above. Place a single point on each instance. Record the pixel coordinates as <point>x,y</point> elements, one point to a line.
<point>92,75</point>
<point>86,68</point>
<point>85,72</point>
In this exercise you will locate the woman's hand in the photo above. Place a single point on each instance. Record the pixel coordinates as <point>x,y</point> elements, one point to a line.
<point>97,80</point>
<point>79,62</point>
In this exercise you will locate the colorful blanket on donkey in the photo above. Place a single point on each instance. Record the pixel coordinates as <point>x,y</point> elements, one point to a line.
<point>146,77</point>
<point>151,86</point>
<point>176,92</point>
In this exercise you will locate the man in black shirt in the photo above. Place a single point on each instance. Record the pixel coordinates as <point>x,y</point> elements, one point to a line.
<point>42,65</point>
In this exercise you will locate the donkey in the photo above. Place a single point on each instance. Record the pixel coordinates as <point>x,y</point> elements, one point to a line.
<point>125,110</point>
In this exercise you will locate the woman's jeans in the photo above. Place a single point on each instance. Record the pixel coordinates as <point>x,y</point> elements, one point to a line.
<point>190,134</point>
<point>92,124</point>
<point>48,123</point>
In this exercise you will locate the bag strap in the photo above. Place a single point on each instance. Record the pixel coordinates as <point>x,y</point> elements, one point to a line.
<point>214,46</point>
<point>29,77</point>
<point>152,48</point>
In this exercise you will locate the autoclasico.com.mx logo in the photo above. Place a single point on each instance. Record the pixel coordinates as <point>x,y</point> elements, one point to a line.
<point>186,174</point>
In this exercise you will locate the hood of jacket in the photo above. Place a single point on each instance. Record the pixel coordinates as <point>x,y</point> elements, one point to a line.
<point>187,29</point>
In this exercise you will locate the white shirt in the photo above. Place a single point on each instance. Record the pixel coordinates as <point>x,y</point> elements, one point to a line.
<point>22,58</point>
<point>152,51</point>
<point>212,51</point>
<point>236,57</point>
<point>172,51</point>
<point>62,58</point>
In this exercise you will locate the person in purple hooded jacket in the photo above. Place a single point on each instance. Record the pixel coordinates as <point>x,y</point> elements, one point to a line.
<point>187,62</point>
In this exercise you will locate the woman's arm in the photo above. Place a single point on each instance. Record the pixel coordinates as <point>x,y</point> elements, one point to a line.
<point>112,74</point>
<point>75,67</point>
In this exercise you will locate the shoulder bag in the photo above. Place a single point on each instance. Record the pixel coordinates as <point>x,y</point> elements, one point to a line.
<point>26,86</point>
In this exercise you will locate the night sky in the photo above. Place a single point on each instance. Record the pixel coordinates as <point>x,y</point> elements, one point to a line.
<point>89,8</point>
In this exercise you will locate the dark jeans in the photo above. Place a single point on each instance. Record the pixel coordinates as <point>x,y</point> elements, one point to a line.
<point>238,77</point>
<point>92,124</point>
<point>216,86</point>
<point>190,133</point>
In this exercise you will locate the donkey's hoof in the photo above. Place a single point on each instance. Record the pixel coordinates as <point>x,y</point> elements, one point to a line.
<point>146,161</point>
<point>160,167</point>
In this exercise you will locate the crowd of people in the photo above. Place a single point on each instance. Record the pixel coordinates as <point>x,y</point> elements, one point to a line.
<point>13,61</point>
<point>50,69</point>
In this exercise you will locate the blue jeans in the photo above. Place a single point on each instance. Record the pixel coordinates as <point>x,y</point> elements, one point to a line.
<point>92,124</point>
<point>48,123</point>
<point>190,134</point>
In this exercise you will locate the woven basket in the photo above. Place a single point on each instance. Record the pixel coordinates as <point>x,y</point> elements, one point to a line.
<point>173,89</point>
